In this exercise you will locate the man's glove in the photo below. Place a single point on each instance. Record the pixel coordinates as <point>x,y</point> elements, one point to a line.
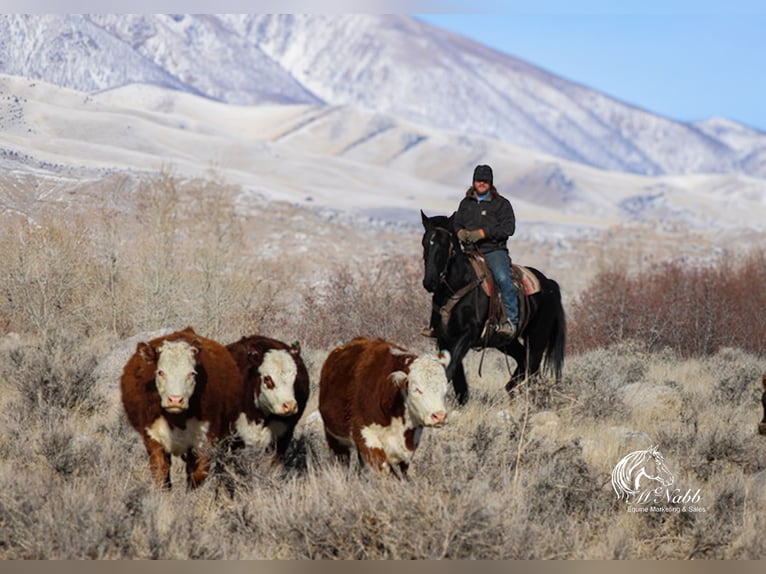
<point>470,235</point>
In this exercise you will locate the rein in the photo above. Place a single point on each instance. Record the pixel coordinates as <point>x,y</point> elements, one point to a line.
<point>450,253</point>
<point>446,309</point>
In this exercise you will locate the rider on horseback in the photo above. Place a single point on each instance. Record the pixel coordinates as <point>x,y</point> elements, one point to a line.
<point>485,219</point>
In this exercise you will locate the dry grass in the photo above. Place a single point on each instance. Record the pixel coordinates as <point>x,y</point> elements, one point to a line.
<point>523,477</point>
<point>509,477</point>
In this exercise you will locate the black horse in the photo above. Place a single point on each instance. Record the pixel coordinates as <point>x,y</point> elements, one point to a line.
<point>447,272</point>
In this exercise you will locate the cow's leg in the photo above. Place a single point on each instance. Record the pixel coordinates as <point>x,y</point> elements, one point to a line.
<point>375,457</point>
<point>159,462</point>
<point>197,468</point>
<point>369,455</point>
<point>282,443</point>
<point>342,452</point>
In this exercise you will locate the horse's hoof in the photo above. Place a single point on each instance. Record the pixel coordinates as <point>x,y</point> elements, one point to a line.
<point>762,428</point>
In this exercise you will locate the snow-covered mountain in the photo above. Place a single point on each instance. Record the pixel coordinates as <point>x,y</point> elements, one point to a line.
<point>340,159</point>
<point>392,65</point>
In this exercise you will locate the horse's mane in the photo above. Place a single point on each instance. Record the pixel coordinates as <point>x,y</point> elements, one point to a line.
<point>623,475</point>
<point>442,221</point>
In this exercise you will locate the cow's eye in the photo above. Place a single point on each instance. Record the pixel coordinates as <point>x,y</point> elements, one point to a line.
<point>161,374</point>
<point>418,392</point>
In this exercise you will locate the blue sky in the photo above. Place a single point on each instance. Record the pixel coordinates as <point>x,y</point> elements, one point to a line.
<point>680,59</point>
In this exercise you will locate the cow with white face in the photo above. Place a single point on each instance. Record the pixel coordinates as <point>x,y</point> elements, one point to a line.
<point>377,397</point>
<point>182,393</point>
<point>424,389</point>
<point>275,395</point>
<point>276,390</point>
<point>175,375</point>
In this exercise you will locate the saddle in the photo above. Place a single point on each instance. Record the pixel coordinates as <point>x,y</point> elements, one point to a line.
<point>524,280</point>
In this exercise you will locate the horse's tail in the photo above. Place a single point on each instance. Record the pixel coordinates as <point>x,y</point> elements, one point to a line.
<point>554,351</point>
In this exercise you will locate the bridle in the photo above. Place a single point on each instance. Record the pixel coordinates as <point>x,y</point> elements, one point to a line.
<point>455,294</point>
<point>450,253</point>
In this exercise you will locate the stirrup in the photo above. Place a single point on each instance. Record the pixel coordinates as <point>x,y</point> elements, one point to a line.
<point>506,329</point>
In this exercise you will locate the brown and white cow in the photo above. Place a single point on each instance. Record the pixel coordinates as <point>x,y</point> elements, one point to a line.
<point>377,397</point>
<point>276,384</point>
<point>182,393</point>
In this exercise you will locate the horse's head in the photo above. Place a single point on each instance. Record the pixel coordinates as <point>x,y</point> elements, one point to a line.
<point>655,468</point>
<point>629,474</point>
<point>437,249</point>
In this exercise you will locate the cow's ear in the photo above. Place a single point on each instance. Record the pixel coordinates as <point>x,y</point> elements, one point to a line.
<point>196,344</point>
<point>399,378</point>
<point>254,353</point>
<point>146,352</point>
<point>295,348</point>
<point>444,357</point>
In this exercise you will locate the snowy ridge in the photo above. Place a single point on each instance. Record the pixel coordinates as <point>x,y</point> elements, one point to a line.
<point>391,65</point>
<point>339,159</point>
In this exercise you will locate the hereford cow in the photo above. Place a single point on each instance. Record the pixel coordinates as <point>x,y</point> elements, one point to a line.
<point>377,397</point>
<point>182,393</point>
<point>276,384</point>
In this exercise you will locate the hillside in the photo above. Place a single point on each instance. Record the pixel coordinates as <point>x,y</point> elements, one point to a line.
<point>386,64</point>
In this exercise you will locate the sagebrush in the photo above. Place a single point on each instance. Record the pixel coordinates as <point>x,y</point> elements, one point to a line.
<point>523,476</point>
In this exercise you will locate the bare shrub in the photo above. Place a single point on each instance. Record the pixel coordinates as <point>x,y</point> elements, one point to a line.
<point>598,377</point>
<point>51,373</point>
<point>378,299</point>
<point>49,282</point>
<point>692,309</point>
<point>160,262</point>
<point>734,372</point>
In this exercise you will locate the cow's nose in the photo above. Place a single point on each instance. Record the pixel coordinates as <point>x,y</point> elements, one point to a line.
<point>290,407</point>
<point>175,401</point>
<point>439,418</point>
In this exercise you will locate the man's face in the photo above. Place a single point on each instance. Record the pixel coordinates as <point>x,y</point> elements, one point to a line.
<point>481,186</point>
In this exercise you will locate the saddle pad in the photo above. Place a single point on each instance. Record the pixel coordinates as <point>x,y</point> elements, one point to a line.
<point>529,280</point>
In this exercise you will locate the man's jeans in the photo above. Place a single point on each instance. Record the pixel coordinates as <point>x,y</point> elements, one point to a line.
<point>499,264</point>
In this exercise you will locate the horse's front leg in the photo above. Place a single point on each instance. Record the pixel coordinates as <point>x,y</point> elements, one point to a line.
<point>455,371</point>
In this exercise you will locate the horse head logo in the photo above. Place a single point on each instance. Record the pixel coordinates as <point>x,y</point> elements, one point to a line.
<point>640,467</point>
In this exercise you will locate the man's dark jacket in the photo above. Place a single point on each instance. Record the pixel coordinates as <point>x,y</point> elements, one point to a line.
<point>494,215</point>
